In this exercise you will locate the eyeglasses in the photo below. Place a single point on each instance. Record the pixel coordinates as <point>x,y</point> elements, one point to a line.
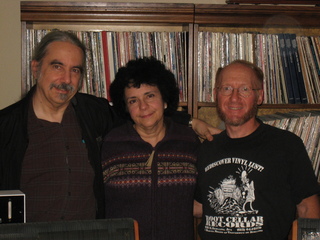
<point>244,91</point>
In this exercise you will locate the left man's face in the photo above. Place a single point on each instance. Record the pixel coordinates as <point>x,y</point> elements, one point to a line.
<point>236,110</point>
<point>59,74</point>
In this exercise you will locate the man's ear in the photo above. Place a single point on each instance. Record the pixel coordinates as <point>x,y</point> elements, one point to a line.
<point>34,68</point>
<point>215,94</point>
<point>260,97</point>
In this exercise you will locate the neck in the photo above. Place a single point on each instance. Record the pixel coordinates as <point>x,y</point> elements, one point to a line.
<point>152,135</point>
<point>242,130</point>
<point>46,111</point>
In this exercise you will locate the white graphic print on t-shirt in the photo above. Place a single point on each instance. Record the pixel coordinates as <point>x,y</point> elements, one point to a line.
<point>233,200</point>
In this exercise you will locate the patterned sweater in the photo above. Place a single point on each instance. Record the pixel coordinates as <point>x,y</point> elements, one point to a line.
<point>158,195</point>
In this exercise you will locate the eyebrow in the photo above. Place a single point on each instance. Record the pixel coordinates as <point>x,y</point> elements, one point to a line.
<point>150,92</point>
<point>56,62</point>
<point>53,62</point>
<point>143,95</point>
<point>131,97</point>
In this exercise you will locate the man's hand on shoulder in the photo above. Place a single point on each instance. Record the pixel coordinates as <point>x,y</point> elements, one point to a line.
<point>203,129</point>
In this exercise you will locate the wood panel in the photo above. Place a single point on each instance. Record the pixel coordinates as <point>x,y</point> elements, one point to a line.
<point>164,13</point>
<point>256,15</point>
<point>273,2</point>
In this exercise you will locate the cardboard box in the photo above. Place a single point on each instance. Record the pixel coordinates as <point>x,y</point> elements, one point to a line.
<point>12,206</point>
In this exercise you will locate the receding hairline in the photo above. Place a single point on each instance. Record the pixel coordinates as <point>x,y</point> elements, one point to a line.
<point>258,73</point>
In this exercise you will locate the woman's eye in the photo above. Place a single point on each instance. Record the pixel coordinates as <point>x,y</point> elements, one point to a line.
<point>131,101</point>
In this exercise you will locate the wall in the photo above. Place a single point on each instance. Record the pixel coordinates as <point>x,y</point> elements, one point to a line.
<point>10,45</point>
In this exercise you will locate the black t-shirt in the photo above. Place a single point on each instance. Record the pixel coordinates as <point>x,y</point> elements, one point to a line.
<point>250,186</point>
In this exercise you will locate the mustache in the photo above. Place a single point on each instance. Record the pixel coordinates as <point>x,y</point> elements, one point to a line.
<point>62,86</point>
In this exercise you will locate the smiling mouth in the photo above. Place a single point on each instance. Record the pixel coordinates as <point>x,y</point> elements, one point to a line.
<point>235,108</point>
<point>147,115</point>
<point>62,88</point>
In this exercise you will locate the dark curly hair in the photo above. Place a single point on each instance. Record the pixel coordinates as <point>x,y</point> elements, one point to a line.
<point>146,70</point>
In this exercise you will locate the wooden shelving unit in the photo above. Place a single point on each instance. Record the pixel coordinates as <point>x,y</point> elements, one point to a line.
<point>193,18</point>
<point>295,2</point>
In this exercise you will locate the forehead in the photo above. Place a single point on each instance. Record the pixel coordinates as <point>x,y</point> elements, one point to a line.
<point>238,74</point>
<point>64,50</point>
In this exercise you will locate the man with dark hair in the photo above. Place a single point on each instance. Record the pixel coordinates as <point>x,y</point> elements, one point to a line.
<point>50,140</point>
<point>253,178</point>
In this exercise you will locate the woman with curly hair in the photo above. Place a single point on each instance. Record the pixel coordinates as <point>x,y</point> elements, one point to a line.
<point>149,163</point>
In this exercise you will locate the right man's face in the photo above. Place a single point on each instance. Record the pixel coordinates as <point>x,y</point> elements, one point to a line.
<point>235,110</point>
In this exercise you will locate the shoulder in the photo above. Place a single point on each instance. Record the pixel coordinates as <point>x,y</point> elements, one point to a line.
<point>17,111</point>
<point>218,139</point>
<point>117,130</point>
<point>280,140</point>
<point>19,107</point>
<point>16,107</point>
<point>124,132</point>
<point>92,108</point>
<point>221,136</point>
<point>13,122</point>
<point>93,101</point>
<point>178,130</point>
<point>278,134</point>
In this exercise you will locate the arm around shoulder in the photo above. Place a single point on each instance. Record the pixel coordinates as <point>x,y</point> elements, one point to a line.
<point>197,209</point>
<point>309,207</point>
<point>203,129</point>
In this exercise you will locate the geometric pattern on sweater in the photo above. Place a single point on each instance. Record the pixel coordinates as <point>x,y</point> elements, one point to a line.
<point>165,168</point>
<point>134,157</point>
<point>129,182</point>
<point>125,169</point>
<point>177,180</point>
<point>169,173</point>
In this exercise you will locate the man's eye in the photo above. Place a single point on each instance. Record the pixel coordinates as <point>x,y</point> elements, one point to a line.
<point>76,70</point>
<point>245,89</point>
<point>226,88</point>
<point>56,66</point>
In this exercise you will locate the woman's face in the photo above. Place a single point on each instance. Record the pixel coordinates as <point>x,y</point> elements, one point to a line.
<point>145,106</point>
